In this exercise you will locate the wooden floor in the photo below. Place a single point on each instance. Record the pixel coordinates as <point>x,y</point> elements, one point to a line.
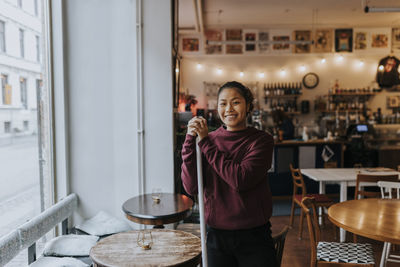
<point>297,252</point>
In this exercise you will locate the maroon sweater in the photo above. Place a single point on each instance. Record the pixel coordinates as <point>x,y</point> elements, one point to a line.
<point>235,165</point>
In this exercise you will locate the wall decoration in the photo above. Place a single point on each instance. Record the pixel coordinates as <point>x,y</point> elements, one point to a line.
<point>234,35</point>
<point>190,44</point>
<point>213,35</point>
<point>281,35</point>
<point>379,40</point>
<point>360,40</point>
<point>263,36</point>
<point>393,101</point>
<point>323,40</point>
<point>281,46</point>
<point>396,40</point>
<point>302,36</point>
<point>250,35</point>
<point>344,40</point>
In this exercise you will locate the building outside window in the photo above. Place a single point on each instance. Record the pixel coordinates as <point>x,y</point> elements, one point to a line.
<point>26,126</point>
<point>36,7</point>
<point>2,37</point>
<point>7,127</point>
<point>37,48</point>
<point>24,92</point>
<point>21,43</point>
<point>4,92</point>
<point>20,3</point>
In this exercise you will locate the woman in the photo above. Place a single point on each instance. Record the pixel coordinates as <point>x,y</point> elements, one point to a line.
<point>237,197</point>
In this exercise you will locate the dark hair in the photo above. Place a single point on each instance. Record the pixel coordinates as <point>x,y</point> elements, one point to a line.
<point>242,90</point>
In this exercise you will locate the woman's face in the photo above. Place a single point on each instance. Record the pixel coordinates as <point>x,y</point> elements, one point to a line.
<point>232,109</point>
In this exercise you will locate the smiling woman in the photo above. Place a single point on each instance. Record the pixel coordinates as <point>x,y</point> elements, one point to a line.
<point>237,197</point>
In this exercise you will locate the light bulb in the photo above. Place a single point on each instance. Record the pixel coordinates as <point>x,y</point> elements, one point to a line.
<point>361,63</point>
<point>219,71</point>
<point>261,74</point>
<point>199,66</point>
<point>282,72</point>
<point>177,70</point>
<point>323,60</point>
<point>241,74</point>
<point>380,68</point>
<point>302,68</point>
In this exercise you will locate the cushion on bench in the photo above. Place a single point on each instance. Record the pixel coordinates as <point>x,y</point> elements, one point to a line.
<point>70,245</point>
<point>103,224</point>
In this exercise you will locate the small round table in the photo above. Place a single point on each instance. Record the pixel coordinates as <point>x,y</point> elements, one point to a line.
<point>171,208</point>
<point>170,248</point>
<point>374,218</point>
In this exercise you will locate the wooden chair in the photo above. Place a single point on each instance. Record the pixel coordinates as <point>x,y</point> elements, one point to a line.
<point>279,244</point>
<point>370,180</point>
<point>389,190</point>
<point>333,253</point>
<point>299,191</point>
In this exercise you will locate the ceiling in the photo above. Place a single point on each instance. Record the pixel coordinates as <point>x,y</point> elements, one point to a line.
<point>285,13</point>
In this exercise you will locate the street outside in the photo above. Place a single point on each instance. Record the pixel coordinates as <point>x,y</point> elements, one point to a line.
<point>19,186</point>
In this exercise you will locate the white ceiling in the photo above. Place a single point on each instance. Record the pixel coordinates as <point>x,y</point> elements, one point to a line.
<point>288,13</point>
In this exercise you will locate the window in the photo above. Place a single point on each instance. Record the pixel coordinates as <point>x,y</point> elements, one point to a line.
<point>24,93</point>
<point>20,3</point>
<point>4,93</point>
<point>36,8</point>
<point>2,37</point>
<point>7,126</point>
<point>26,126</point>
<point>21,43</point>
<point>37,48</point>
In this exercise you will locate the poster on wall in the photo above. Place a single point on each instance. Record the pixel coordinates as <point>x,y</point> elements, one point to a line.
<point>344,40</point>
<point>323,40</point>
<point>360,40</point>
<point>190,44</point>
<point>215,36</point>
<point>263,36</point>
<point>396,40</point>
<point>379,40</point>
<point>250,36</point>
<point>283,36</point>
<point>302,36</point>
<point>234,35</point>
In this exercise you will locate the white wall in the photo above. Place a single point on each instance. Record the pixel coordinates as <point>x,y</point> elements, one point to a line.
<point>101,86</point>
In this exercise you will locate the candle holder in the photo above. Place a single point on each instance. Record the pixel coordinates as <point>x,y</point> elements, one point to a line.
<point>144,239</point>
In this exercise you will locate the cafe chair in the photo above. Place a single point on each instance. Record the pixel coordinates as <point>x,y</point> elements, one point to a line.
<point>279,244</point>
<point>333,253</point>
<point>370,180</point>
<point>299,191</point>
<point>389,190</point>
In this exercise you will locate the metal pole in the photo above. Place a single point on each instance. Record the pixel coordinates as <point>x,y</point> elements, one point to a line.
<point>201,205</point>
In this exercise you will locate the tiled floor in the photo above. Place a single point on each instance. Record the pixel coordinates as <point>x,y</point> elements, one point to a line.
<point>297,252</point>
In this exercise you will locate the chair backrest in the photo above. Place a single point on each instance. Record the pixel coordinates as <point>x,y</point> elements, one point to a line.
<point>279,243</point>
<point>389,188</point>
<point>310,210</point>
<point>366,178</point>
<point>299,187</point>
<point>330,164</point>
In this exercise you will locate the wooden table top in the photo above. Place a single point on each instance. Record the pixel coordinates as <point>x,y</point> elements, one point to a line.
<point>378,219</point>
<point>171,208</point>
<point>170,248</point>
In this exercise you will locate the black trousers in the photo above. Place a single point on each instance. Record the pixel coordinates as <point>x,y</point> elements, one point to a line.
<point>241,248</point>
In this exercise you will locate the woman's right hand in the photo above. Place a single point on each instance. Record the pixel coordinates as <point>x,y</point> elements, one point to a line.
<point>192,126</point>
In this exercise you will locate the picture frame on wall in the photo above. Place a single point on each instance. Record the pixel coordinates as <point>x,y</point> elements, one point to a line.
<point>344,40</point>
<point>303,35</point>
<point>213,35</point>
<point>234,35</point>
<point>190,44</point>
<point>396,40</point>
<point>323,40</point>
<point>281,35</point>
<point>263,35</point>
<point>379,40</point>
<point>360,40</point>
<point>250,36</point>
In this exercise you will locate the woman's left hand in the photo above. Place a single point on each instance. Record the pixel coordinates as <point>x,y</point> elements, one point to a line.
<point>202,128</point>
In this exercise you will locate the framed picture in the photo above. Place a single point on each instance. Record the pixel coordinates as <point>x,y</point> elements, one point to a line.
<point>323,40</point>
<point>281,35</point>
<point>360,40</point>
<point>190,44</point>
<point>379,40</point>
<point>302,36</point>
<point>250,36</point>
<point>344,40</point>
<point>213,35</point>
<point>234,35</point>
<point>263,35</point>
<point>393,101</point>
<point>396,40</point>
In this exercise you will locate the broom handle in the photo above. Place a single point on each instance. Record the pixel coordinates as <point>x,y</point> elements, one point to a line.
<point>201,205</point>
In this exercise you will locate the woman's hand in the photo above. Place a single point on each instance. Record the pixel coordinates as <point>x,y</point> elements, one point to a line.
<point>198,126</point>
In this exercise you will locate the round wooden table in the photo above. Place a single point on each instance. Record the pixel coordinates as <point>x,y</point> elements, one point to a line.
<point>171,208</point>
<point>170,248</point>
<point>378,219</point>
